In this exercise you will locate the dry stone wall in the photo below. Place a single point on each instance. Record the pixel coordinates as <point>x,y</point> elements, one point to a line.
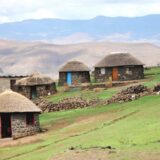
<point>65,104</point>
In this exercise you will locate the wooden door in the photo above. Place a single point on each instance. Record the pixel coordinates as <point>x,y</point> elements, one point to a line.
<point>115,74</point>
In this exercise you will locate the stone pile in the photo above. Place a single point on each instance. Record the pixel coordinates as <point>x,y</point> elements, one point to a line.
<point>65,104</point>
<point>156,88</point>
<point>129,94</point>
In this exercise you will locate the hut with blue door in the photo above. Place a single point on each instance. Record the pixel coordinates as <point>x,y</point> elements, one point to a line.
<point>74,73</point>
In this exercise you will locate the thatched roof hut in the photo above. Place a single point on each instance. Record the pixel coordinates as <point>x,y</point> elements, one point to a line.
<point>118,59</point>
<point>35,79</point>
<point>74,72</point>
<point>19,116</point>
<point>118,67</point>
<point>35,86</point>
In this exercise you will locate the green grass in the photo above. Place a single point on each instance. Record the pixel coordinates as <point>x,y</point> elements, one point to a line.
<point>129,127</point>
<point>153,74</point>
<point>87,94</point>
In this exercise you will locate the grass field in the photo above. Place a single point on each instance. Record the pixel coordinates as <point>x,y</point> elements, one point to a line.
<point>132,128</point>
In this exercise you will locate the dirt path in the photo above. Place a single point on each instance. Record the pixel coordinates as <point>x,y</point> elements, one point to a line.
<point>104,154</point>
<point>91,154</point>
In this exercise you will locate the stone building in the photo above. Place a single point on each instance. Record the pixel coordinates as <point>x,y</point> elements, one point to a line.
<point>119,67</point>
<point>73,73</point>
<point>35,86</point>
<point>19,117</point>
<point>8,82</point>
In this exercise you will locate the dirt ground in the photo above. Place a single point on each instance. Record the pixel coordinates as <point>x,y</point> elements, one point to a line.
<point>91,154</point>
<point>106,154</point>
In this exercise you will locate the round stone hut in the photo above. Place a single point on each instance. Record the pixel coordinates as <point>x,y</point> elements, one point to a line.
<point>35,86</point>
<point>73,73</point>
<point>19,117</point>
<point>119,67</point>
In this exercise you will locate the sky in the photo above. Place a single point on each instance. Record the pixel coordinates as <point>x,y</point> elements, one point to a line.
<point>18,10</point>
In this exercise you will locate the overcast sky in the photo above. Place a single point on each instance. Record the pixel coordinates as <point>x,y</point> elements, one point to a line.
<point>17,10</point>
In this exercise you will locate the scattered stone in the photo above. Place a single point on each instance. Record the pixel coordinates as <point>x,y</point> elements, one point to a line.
<point>129,94</point>
<point>65,104</point>
<point>156,88</point>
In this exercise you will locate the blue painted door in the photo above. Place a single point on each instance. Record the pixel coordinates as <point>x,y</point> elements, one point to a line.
<point>69,78</point>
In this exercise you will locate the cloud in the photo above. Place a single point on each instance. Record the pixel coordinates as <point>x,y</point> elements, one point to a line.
<point>16,10</point>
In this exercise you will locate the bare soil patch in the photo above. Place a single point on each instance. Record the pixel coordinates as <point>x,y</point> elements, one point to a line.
<point>90,154</point>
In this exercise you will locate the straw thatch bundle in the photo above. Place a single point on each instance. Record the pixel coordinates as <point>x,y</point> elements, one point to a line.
<point>118,59</point>
<point>13,102</point>
<point>35,79</point>
<point>74,66</point>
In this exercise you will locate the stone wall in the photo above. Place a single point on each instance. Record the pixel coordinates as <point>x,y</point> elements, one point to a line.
<point>42,90</point>
<point>24,90</point>
<point>77,78</point>
<point>20,128</point>
<point>125,73</point>
<point>103,77</point>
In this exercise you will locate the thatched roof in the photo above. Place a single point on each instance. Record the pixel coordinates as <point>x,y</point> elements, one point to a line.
<point>118,59</point>
<point>35,79</point>
<point>74,66</point>
<point>14,102</point>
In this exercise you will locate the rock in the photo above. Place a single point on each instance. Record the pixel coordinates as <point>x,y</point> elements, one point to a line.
<point>65,104</point>
<point>129,94</point>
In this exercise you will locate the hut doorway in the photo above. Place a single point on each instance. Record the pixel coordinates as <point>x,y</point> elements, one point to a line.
<point>69,78</point>
<point>115,74</point>
<point>33,92</point>
<point>6,130</point>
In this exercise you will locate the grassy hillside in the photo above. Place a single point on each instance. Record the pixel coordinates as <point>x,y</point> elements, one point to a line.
<point>132,128</point>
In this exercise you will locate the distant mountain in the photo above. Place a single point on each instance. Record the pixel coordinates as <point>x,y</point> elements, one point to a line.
<point>27,57</point>
<point>74,31</point>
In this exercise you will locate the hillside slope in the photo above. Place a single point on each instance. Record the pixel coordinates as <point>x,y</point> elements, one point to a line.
<point>131,130</point>
<point>27,57</point>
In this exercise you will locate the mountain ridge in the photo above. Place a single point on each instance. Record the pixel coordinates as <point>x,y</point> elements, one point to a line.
<point>23,58</point>
<point>95,29</point>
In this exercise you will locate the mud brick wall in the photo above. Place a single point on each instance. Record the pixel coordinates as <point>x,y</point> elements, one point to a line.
<point>77,77</point>
<point>125,73</point>
<point>20,128</point>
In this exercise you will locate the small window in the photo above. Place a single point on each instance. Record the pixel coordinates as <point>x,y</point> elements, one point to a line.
<point>30,119</point>
<point>128,71</point>
<point>103,71</point>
